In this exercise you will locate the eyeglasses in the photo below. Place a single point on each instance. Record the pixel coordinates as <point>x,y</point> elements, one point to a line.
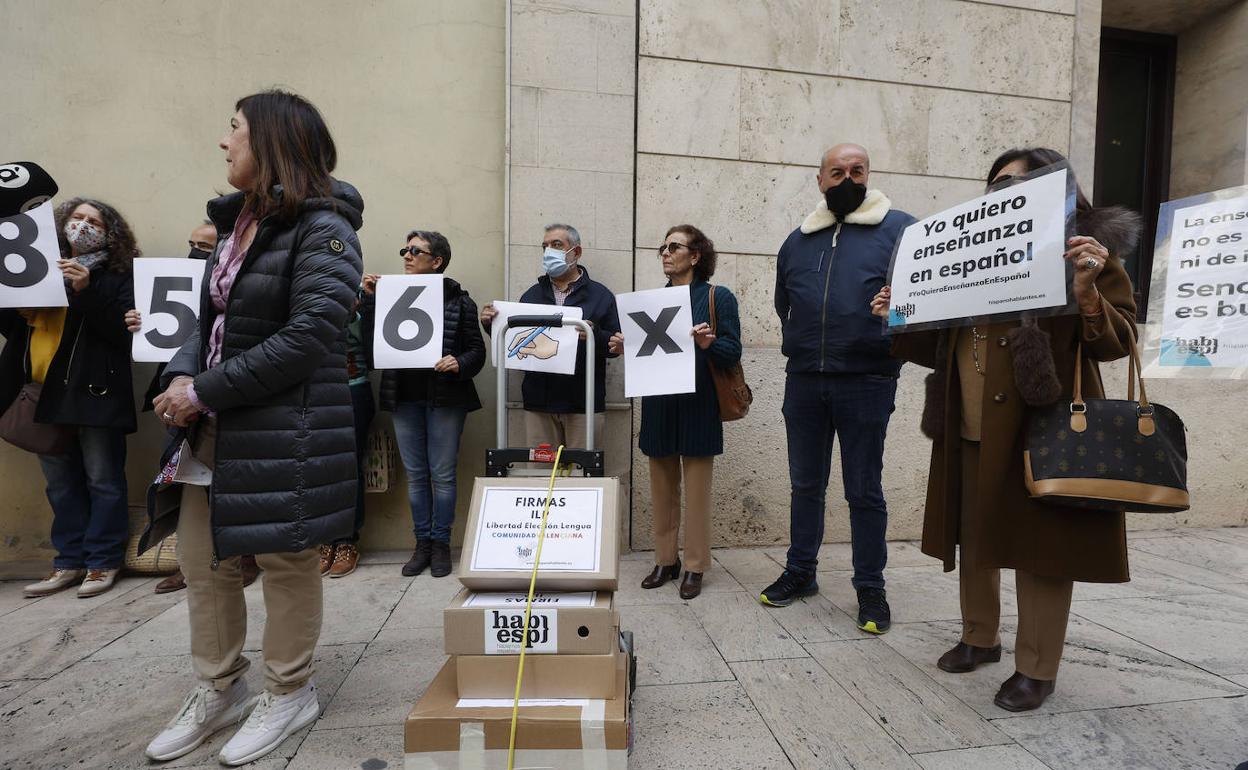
<point>669,248</point>
<point>403,252</point>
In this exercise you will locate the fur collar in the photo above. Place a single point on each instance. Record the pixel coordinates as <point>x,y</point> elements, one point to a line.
<point>872,211</point>
<point>1117,228</point>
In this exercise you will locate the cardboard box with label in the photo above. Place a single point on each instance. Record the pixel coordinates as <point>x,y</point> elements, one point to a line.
<point>578,623</point>
<point>545,676</point>
<point>580,551</point>
<point>447,732</point>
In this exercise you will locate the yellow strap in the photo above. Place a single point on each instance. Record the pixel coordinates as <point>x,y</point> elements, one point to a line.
<point>528,613</point>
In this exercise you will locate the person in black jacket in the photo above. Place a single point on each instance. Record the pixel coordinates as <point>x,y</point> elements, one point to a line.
<point>554,404</point>
<point>81,355</point>
<point>263,427</point>
<point>841,379</point>
<point>430,406</point>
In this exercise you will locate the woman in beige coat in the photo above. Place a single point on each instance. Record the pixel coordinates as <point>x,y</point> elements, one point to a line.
<point>977,400</point>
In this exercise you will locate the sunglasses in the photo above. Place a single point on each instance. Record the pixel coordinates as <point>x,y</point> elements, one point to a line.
<point>403,252</point>
<point>669,248</point>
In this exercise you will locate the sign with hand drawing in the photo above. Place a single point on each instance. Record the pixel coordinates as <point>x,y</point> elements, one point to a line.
<point>538,349</point>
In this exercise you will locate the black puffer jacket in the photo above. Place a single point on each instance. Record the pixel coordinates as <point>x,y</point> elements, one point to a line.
<point>285,467</point>
<point>89,381</point>
<point>461,337</point>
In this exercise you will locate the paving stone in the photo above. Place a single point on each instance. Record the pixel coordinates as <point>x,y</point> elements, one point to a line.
<point>695,726</point>
<point>11,689</point>
<point>815,619</point>
<point>1190,573</point>
<point>1206,630</point>
<point>915,594</point>
<point>906,702</point>
<point>750,567</point>
<point>36,616</point>
<point>387,681</point>
<point>671,646</point>
<point>816,722</point>
<point>423,601</point>
<point>742,629</point>
<point>1193,735</point>
<point>1100,669</point>
<point>1144,582</point>
<point>368,748</point>
<point>986,758</point>
<point>1222,556</point>
<point>11,596</point>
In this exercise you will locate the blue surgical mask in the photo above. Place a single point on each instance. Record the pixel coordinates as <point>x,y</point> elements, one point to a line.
<point>555,262</point>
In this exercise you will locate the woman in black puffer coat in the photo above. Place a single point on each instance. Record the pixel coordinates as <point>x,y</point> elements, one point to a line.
<point>259,396</point>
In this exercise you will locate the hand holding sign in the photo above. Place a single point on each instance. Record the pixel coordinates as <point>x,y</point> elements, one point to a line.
<point>166,292</point>
<point>658,342</point>
<point>410,318</point>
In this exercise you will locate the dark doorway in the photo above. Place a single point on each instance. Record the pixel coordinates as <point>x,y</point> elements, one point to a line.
<point>1133,119</point>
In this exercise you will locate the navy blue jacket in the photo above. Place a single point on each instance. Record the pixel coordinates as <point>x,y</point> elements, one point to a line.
<point>825,281</point>
<point>560,393</point>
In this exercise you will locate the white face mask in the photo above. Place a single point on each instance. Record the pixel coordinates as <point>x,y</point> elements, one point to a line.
<point>84,236</point>
<point>555,262</point>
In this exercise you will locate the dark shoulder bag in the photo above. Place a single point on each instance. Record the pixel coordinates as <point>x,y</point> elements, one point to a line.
<point>18,426</point>
<point>731,388</point>
<point>1108,454</point>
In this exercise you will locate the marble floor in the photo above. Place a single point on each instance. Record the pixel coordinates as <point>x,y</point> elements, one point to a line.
<point>1155,673</point>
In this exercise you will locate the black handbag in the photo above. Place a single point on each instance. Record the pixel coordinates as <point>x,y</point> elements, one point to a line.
<point>1108,454</point>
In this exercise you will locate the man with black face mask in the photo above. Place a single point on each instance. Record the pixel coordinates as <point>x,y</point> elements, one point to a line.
<point>841,380</point>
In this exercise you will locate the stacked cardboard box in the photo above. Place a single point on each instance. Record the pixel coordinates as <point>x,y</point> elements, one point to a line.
<point>575,687</point>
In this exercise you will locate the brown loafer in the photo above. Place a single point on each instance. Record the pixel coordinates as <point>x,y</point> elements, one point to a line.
<point>175,582</point>
<point>964,658</point>
<point>1022,693</point>
<point>250,569</point>
<point>691,586</point>
<point>661,575</point>
<point>327,557</point>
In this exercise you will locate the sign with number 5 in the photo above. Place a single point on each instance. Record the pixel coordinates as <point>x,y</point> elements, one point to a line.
<point>166,293</point>
<point>29,276</point>
<point>408,330</point>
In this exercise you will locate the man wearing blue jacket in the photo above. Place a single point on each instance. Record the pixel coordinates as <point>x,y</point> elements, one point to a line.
<point>841,381</point>
<point>554,404</point>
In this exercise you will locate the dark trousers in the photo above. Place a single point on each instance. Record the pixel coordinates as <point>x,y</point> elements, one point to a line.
<point>365,408</point>
<point>818,408</point>
<point>87,490</point>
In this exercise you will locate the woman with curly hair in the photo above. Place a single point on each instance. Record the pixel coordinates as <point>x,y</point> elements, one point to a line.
<point>683,432</point>
<point>80,355</point>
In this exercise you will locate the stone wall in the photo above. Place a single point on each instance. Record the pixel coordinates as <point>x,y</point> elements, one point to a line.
<point>736,102</point>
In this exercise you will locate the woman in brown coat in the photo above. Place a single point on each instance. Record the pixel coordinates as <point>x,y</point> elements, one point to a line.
<point>984,380</point>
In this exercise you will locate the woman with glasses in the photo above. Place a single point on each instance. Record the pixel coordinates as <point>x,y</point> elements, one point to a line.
<point>430,405</point>
<point>683,432</point>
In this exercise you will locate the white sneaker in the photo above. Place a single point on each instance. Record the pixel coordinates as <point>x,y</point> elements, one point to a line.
<point>204,712</point>
<point>98,581</point>
<point>59,580</point>
<point>274,718</point>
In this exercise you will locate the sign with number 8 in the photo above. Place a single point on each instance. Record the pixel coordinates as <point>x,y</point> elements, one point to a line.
<point>29,276</point>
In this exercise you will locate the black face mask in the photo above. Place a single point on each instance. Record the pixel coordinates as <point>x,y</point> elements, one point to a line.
<point>845,198</point>
<point>199,254</point>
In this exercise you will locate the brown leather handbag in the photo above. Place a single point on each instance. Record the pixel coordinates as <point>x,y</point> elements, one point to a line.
<point>1108,454</point>
<point>733,391</point>
<point>18,426</point>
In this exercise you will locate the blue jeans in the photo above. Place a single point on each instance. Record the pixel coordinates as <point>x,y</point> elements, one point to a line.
<point>90,509</point>
<point>428,439</point>
<point>365,408</point>
<point>817,409</point>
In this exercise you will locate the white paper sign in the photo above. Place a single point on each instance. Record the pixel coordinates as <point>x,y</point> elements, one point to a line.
<point>540,598</point>
<point>544,349</point>
<point>659,353</point>
<point>410,316</point>
<point>506,703</point>
<point>1199,328</point>
<point>166,293</point>
<point>29,276</point>
<point>999,253</point>
<point>511,518</point>
<point>504,631</point>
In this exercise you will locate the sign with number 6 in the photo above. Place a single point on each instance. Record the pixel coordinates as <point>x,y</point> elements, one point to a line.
<point>166,293</point>
<point>29,276</point>
<point>408,330</point>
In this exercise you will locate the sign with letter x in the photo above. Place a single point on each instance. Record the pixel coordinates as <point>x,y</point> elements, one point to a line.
<point>658,341</point>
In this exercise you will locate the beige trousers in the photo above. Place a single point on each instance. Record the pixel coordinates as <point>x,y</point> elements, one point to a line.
<point>665,480</point>
<point>557,428</point>
<point>1043,602</point>
<point>218,611</point>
